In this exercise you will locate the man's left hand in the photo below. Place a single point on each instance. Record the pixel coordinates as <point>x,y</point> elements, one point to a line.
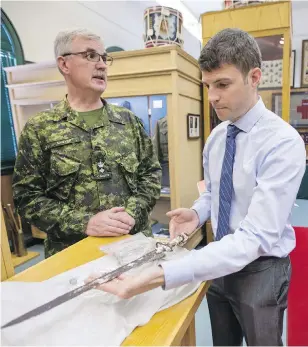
<point>126,286</point>
<point>125,218</point>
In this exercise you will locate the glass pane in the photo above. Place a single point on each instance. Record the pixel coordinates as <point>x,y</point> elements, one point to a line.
<point>8,140</point>
<point>272,67</point>
<point>6,41</point>
<point>272,53</point>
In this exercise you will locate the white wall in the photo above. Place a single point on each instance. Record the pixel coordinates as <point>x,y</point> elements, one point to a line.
<point>120,23</point>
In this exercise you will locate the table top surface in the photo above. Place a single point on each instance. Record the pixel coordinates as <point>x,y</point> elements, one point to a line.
<point>166,328</point>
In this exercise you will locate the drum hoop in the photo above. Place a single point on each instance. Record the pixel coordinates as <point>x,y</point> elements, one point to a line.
<point>162,45</point>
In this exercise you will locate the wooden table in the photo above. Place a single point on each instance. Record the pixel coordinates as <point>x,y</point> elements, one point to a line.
<point>174,326</point>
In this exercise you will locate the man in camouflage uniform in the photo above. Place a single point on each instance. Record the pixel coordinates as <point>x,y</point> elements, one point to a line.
<point>160,141</point>
<point>85,167</point>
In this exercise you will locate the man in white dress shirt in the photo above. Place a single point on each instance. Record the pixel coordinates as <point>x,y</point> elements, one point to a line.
<point>253,166</point>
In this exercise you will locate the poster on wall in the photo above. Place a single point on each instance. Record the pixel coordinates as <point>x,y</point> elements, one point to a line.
<point>304,74</point>
<point>272,73</point>
<point>298,108</point>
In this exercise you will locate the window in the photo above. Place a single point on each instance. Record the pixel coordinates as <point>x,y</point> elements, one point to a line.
<point>11,55</point>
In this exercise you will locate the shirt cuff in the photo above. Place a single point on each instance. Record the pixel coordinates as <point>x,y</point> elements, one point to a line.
<point>85,220</point>
<point>201,212</point>
<point>176,273</point>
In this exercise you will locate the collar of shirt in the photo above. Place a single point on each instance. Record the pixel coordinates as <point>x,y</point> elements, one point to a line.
<point>110,113</point>
<point>249,119</point>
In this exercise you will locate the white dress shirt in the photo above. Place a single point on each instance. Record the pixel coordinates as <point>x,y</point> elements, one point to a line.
<point>269,164</point>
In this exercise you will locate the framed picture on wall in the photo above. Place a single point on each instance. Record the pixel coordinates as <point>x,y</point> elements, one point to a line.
<point>304,74</point>
<point>193,126</point>
<point>271,74</point>
<point>298,108</point>
<point>292,68</point>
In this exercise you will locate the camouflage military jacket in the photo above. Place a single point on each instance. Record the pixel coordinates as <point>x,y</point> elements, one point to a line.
<point>160,140</point>
<point>66,172</point>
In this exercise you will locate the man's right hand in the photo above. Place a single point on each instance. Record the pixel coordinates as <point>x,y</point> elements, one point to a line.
<point>106,223</point>
<point>183,220</point>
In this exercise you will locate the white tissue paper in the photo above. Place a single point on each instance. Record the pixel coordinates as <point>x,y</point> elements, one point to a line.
<point>94,317</point>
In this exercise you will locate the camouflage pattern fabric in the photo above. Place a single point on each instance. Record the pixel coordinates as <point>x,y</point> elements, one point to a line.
<point>66,172</point>
<point>160,140</point>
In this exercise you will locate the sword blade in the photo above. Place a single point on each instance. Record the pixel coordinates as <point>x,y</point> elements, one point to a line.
<point>48,306</point>
<point>151,256</point>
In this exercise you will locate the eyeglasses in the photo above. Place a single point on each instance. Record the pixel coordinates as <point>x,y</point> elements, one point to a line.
<point>93,57</point>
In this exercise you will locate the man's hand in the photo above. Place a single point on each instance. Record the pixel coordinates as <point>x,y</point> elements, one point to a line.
<point>126,286</point>
<point>183,220</point>
<point>125,218</point>
<point>113,222</point>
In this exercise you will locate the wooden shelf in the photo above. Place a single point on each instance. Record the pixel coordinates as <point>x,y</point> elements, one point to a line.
<point>36,84</point>
<point>30,102</point>
<point>32,66</point>
<point>21,260</point>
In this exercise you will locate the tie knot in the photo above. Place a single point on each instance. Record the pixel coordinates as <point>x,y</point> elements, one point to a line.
<point>232,131</point>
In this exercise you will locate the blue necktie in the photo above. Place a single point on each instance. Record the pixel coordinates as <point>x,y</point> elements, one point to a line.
<point>226,183</point>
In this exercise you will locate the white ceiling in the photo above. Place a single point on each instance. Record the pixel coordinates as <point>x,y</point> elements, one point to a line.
<point>197,7</point>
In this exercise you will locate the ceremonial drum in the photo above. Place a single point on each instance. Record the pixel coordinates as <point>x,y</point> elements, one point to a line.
<point>163,26</point>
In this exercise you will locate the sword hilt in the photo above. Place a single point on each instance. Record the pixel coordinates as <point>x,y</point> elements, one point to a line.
<point>180,241</point>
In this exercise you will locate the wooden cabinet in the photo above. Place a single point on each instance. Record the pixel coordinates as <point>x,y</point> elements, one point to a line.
<point>7,268</point>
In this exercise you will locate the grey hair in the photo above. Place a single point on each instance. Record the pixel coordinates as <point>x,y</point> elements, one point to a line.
<point>231,46</point>
<point>65,38</point>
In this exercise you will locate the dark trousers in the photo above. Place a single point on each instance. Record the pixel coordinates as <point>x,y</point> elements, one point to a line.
<point>250,304</point>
